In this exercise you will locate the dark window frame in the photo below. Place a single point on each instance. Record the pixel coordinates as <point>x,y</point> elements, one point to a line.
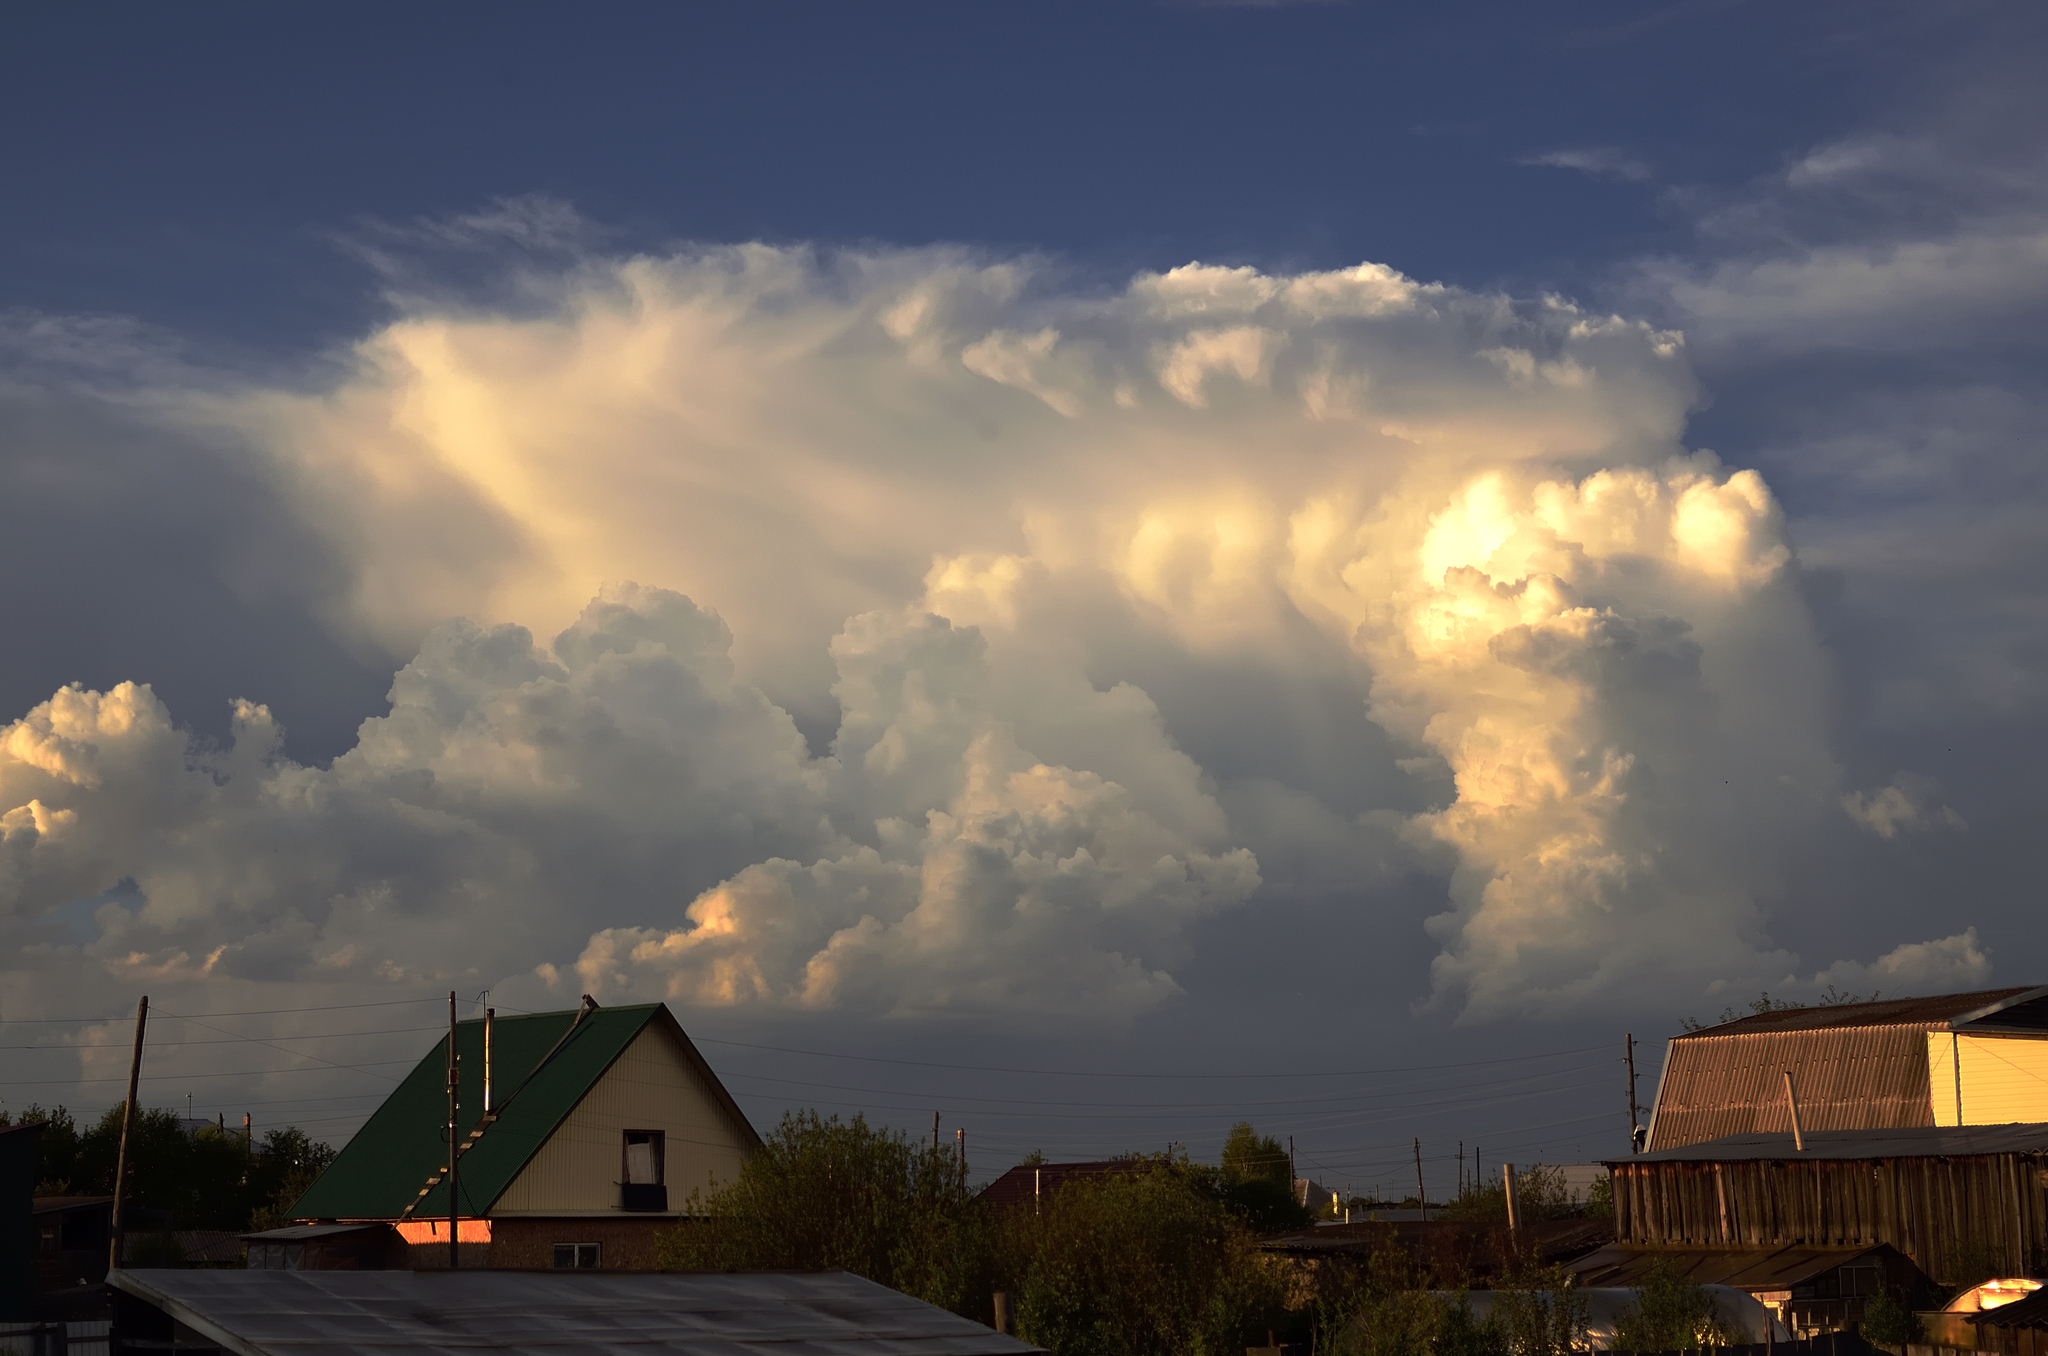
<point>659,1139</point>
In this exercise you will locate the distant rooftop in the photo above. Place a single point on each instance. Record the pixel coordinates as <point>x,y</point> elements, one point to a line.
<point>1027,1181</point>
<point>1937,1011</point>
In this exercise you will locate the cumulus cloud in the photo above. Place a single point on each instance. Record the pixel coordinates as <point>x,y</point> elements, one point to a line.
<point>1952,963</point>
<point>885,747</point>
<point>1911,804</point>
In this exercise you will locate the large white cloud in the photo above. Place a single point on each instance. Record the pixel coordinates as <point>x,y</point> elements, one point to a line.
<point>940,504</point>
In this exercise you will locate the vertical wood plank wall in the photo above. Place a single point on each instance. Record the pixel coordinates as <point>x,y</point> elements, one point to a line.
<point>1924,1207</point>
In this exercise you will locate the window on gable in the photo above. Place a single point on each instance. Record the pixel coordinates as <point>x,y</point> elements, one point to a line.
<point>578,1256</point>
<point>643,1158</point>
<point>642,1178</point>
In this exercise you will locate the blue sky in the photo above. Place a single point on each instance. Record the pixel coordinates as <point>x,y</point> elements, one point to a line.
<point>239,244</point>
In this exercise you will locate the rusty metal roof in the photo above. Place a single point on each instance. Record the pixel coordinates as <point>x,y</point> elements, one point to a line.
<point>1857,1066</point>
<point>1852,1077</point>
<point>544,1313</point>
<point>1744,1268</point>
<point>1922,1141</point>
<point>1925,1013</point>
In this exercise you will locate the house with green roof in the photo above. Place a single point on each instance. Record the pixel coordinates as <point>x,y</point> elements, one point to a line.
<point>580,1133</point>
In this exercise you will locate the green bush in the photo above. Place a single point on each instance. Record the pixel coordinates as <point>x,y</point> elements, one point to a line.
<point>1153,1261</point>
<point>1143,1263</point>
<point>1384,1306</point>
<point>1888,1320</point>
<point>1672,1314</point>
<point>825,1193</point>
<point>1541,1194</point>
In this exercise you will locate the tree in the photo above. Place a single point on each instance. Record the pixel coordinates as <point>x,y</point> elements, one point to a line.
<point>1143,1263</point>
<point>1247,1155</point>
<point>1540,1193</point>
<point>290,1162</point>
<point>1147,1262</point>
<point>1762,1003</point>
<point>1890,1321</point>
<point>825,1193</point>
<point>1257,1181</point>
<point>202,1180</point>
<point>1671,1314</point>
<point>56,1148</point>
<point>1387,1306</point>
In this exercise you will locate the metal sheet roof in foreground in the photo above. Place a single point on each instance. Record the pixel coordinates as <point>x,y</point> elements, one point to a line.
<point>1905,1141</point>
<point>544,1313</point>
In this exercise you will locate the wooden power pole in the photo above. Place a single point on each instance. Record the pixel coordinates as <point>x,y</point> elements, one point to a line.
<point>1421,1196</point>
<point>120,1220</point>
<point>454,1143</point>
<point>1629,1054</point>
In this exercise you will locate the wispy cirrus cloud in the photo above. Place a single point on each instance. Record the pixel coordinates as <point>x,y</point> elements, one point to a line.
<point>1606,162</point>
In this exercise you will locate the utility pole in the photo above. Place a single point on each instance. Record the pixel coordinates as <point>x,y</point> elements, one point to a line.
<point>121,1155</point>
<point>454,1145</point>
<point>1461,1167</point>
<point>1629,1054</point>
<point>935,1132</point>
<point>960,1142</point>
<point>1421,1196</point>
<point>1292,1175</point>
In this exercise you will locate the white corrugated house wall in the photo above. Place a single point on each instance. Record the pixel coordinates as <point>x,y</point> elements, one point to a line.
<point>650,1087</point>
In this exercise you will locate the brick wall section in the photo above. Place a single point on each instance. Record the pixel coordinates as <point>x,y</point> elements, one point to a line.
<point>628,1243</point>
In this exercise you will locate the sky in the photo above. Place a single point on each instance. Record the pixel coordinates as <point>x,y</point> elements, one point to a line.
<point>1094,570</point>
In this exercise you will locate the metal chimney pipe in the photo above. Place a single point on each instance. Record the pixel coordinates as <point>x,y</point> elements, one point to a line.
<point>490,1014</point>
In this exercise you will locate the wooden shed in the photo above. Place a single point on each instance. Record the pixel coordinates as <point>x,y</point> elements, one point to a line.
<point>1936,1193</point>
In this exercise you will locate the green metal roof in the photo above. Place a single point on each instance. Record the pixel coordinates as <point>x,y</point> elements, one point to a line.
<point>404,1146</point>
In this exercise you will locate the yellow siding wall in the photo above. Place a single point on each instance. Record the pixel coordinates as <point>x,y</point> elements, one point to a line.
<point>2005,1078</point>
<point>651,1087</point>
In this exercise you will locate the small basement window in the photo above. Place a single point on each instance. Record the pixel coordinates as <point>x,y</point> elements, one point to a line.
<point>578,1256</point>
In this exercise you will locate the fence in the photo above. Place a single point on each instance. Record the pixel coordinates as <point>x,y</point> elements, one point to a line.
<point>90,1337</point>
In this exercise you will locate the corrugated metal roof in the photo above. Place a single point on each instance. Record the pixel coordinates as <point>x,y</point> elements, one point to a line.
<point>1750,1269</point>
<point>1849,1077</point>
<point>1937,1010</point>
<point>541,1313</point>
<point>2031,1312</point>
<point>1920,1141</point>
<point>404,1144</point>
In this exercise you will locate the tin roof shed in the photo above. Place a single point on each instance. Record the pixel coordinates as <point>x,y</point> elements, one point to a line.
<point>1859,1066</point>
<point>442,1313</point>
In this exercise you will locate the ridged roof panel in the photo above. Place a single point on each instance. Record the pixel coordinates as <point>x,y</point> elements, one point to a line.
<point>1732,1082</point>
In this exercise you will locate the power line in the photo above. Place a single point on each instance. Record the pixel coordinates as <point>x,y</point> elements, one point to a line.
<point>1140,1106</point>
<point>230,1040</point>
<point>253,1012</point>
<point>240,1073</point>
<point>1087,1073</point>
